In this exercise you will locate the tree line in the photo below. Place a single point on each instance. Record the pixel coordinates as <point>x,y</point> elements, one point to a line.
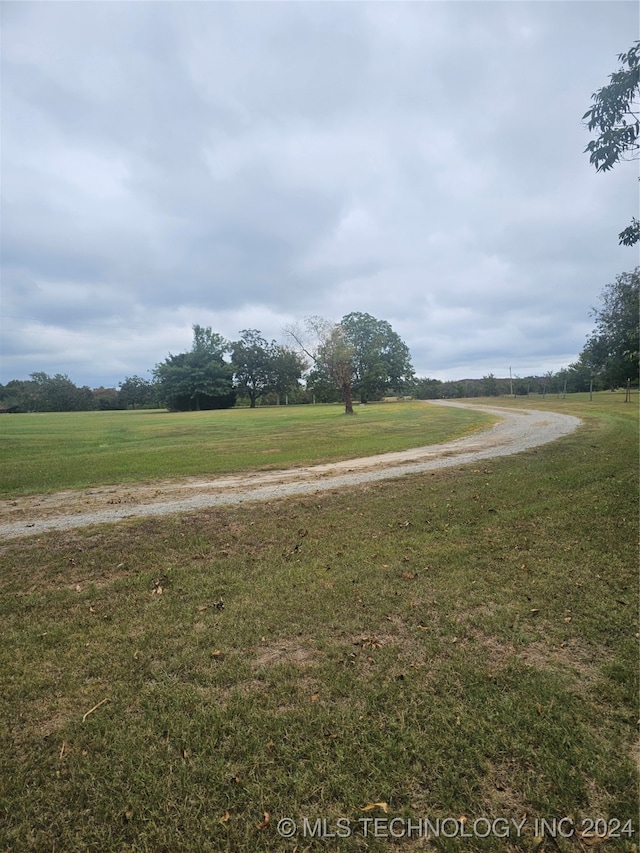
<point>359,358</point>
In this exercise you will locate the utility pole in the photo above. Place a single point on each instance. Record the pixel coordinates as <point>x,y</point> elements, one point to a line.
<point>511,382</point>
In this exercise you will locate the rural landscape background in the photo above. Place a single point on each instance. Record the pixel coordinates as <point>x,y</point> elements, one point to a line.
<point>323,361</point>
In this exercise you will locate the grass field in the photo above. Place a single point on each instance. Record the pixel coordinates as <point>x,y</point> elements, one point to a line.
<point>50,452</point>
<point>454,645</point>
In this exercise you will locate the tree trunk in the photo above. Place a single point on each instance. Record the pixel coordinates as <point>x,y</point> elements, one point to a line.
<point>348,401</point>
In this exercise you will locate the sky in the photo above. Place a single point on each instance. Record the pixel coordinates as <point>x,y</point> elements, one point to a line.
<point>245,165</point>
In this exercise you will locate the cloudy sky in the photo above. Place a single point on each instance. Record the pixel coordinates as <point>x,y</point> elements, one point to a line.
<point>245,165</point>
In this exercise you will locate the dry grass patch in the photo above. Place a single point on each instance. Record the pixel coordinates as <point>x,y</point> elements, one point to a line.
<point>288,651</point>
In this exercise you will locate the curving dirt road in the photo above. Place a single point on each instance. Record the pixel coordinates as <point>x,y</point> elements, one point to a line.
<point>516,431</point>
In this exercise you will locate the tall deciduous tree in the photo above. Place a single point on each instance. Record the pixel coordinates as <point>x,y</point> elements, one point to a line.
<point>251,359</point>
<point>359,355</point>
<point>287,367</point>
<point>59,394</point>
<point>261,368</point>
<point>615,117</point>
<point>326,346</point>
<point>334,358</point>
<point>381,360</point>
<point>200,379</point>
<point>136,391</point>
<point>612,349</point>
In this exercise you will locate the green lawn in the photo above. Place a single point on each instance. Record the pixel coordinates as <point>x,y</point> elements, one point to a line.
<point>50,452</point>
<point>455,644</point>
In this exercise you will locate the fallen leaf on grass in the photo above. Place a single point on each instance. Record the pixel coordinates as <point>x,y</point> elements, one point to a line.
<point>225,817</point>
<point>264,823</point>
<point>369,643</point>
<point>372,806</point>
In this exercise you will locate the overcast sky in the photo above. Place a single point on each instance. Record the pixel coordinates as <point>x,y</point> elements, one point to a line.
<point>244,165</point>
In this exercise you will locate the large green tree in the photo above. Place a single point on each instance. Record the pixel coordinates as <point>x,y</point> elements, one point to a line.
<point>58,394</point>
<point>287,367</point>
<point>199,379</point>
<point>611,351</point>
<point>262,368</point>
<point>614,116</point>
<point>136,392</point>
<point>251,359</point>
<point>381,361</point>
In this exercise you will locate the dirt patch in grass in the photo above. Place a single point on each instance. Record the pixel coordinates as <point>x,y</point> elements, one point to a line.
<point>285,651</point>
<point>584,663</point>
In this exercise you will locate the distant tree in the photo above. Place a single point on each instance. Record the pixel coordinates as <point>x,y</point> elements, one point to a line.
<point>611,351</point>
<point>427,389</point>
<point>490,386</point>
<point>199,379</point>
<point>262,368</point>
<point>615,116</point>
<point>251,359</point>
<point>136,392</point>
<point>105,399</point>
<point>579,376</point>
<point>335,361</point>
<point>58,394</point>
<point>17,395</point>
<point>454,389</point>
<point>381,361</point>
<point>331,356</point>
<point>287,367</point>
<point>325,345</point>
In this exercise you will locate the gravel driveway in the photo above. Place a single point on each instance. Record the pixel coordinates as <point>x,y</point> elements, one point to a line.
<point>516,431</point>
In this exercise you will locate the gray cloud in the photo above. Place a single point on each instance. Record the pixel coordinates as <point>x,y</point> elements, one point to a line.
<point>244,164</point>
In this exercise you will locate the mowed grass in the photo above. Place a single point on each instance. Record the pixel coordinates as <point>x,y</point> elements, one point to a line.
<point>41,453</point>
<point>460,643</point>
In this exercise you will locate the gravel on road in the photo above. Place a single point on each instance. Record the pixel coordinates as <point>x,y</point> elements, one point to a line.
<point>516,431</point>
